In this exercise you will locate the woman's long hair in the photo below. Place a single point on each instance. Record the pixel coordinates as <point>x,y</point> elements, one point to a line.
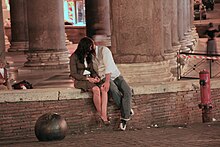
<point>84,49</point>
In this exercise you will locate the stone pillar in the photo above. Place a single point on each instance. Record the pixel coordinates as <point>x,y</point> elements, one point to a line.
<point>181,26</point>
<point>171,40</point>
<point>194,31</point>
<point>188,31</point>
<point>138,41</point>
<point>46,35</point>
<point>137,34</point>
<point>19,27</point>
<point>2,38</point>
<point>6,13</point>
<point>174,25</point>
<point>98,20</point>
<point>6,20</point>
<point>167,12</point>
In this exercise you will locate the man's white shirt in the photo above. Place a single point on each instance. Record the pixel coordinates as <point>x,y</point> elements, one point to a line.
<point>104,63</point>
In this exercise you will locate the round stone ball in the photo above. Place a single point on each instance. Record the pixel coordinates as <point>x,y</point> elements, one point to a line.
<point>50,126</point>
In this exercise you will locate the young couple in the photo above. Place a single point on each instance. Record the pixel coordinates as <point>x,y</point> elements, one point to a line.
<point>93,68</point>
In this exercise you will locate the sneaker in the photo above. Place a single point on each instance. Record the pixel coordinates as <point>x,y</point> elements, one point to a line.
<point>123,125</point>
<point>132,112</point>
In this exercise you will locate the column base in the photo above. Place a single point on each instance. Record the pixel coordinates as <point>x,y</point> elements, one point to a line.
<point>146,72</point>
<point>19,46</point>
<point>49,59</point>
<point>184,47</point>
<point>172,58</point>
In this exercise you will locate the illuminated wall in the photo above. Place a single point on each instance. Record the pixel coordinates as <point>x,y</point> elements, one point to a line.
<point>74,12</point>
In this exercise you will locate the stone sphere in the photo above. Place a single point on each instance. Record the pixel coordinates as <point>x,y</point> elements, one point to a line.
<point>50,126</point>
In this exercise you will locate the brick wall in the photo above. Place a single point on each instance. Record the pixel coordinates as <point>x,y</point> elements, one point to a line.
<point>17,119</point>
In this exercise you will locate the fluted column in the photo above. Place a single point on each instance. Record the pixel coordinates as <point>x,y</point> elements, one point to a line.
<point>167,36</point>
<point>181,25</point>
<point>46,35</point>
<point>138,40</point>
<point>98,20</point>
<point>174,25</point>
<point>19,27</point>
<point>188,31</point>
<point>171,40</point>
<point>194,31</point>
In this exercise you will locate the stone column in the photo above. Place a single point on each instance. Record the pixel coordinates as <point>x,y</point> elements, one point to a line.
<point>174,25</point>
<point>2,38</point>
<point>194,31</point>
<point>19,27</point>
<point>181,26</point>
<point>6,13</point>
<point>98,20</point>
<point>171,40</point>
<point>188,31</point>
<point>46,35</point>
<point>6,20</point>
<point>138,40</point>
<point>167,12</point>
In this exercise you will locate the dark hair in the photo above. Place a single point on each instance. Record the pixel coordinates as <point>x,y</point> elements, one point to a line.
<point>83,49</point>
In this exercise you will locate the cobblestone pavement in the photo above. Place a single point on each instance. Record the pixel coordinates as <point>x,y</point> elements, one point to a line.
<point>196,135</point>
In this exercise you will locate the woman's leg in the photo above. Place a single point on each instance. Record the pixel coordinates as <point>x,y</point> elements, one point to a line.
<point>104,104</point>
<point>97,99</point>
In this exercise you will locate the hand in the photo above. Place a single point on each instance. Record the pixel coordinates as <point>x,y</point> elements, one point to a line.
<point>106,86</point>
<point>91,80</point>
<point>97,79</point>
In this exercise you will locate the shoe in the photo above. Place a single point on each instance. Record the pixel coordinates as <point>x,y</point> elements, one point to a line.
<point>132,112</point>
<point>106,123</point>
<point>123,124</point>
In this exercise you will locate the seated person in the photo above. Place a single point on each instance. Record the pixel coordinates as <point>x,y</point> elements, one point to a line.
<point>3,77</point>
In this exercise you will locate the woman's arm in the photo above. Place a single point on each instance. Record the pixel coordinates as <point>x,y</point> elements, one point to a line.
<point>74,70</point>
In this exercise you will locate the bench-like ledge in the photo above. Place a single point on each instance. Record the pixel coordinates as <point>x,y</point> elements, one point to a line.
<point>72,93</point>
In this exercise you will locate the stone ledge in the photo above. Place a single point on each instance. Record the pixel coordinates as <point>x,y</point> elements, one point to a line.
<point>48,94</point>
<point>54,94</point>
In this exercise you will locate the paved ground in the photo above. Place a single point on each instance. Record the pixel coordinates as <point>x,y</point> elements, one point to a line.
<point>196,135</point>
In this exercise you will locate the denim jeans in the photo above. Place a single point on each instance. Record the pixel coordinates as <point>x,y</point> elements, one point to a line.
<point>121,94</point>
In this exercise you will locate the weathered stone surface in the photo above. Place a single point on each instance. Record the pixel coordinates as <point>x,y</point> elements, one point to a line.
<point>137,31</point>
<point>167,22</point>
<point>98,17</point>
<point>48,94</point>
<point>19,46</point>
<point>46,39</point>
<point>146,72</point>
<point>19,26</point>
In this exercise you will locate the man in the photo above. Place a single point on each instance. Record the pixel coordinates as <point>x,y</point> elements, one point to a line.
<point>120,91</point>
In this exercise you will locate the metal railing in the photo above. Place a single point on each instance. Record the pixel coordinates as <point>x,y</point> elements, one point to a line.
<point>201,59</point>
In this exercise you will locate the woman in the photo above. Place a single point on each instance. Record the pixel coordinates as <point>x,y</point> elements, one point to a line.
<point>211,43</point>
<point>85,78</point>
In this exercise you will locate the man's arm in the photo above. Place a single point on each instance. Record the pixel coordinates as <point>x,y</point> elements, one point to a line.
<point>109,67</point>
<point>106,84</point>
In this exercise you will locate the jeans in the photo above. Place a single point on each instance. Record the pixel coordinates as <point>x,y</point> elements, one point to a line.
<point>121,94</point>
